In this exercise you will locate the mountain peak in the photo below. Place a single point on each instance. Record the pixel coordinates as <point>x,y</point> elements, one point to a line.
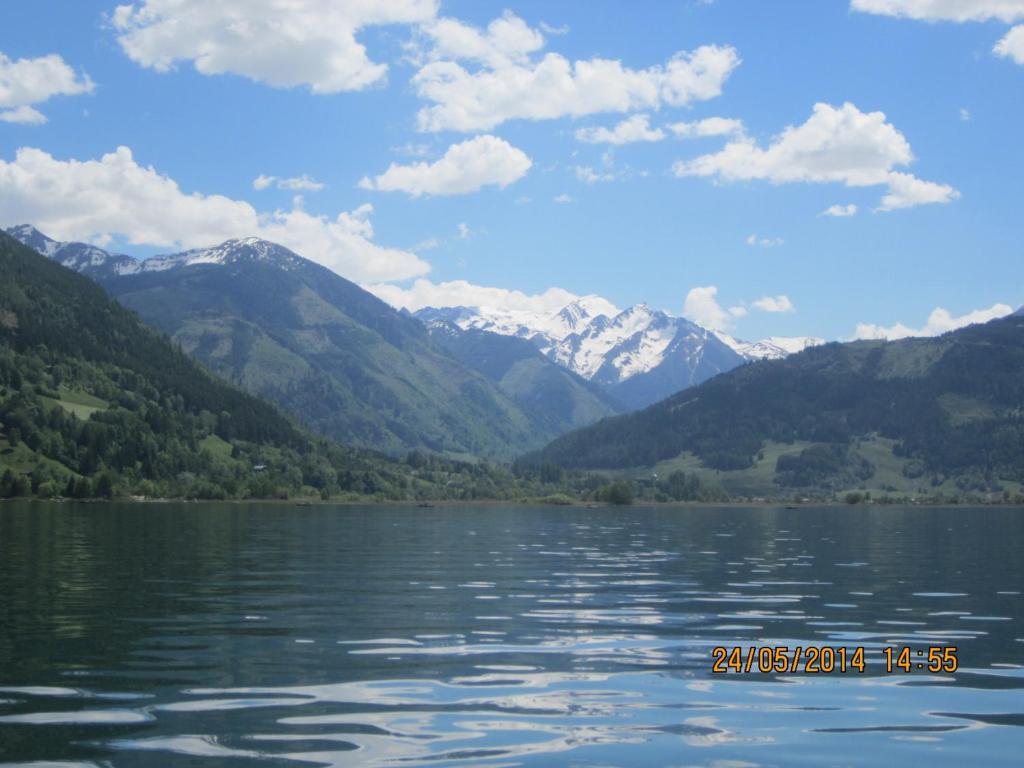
<point>81,257</point>
<point>771,348</point>
<point>33,238</point>
<point>25,230</point>
<point>595,306</point>
<point>233,251</point>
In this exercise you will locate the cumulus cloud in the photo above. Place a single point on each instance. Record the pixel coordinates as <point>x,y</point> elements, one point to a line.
<point>460,293</point>
<point>466,167</point>
<point>283,44</point>
<point>944,10</point>
<point>939,321</point>
<point>24,115</point>
<point>477,79</point>
<point>701,307</point>
<point>840,211</point>
<point>507,39</point>
<point>632,129</point>
<point>836,144</point>
<point>906,191</point>
<point>93,200</point>
<point>638,128</point>
<point>301,183</point>
<point>709,126</point>
<point>780,303</point>
<point>26,82</point>
<point>1012,46</point>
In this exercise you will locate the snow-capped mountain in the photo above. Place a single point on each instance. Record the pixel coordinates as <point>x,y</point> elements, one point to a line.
<point>638,355</point>
<point>96,262</point>
<point>81,257</point>
<point>248,249</point>
<point>771,348</point>
<point>544,329</point>
<point>623,352</point>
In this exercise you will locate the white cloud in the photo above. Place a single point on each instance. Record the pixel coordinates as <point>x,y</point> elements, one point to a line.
<point>906,191</point>
<point>840,211</point>
<point>507,39</point>
<point>563,198</point>
<point>552,30</point>
<point>459,293</point>
<point>465,167</point>
<point>765,242</point>
<point>32,81</point>
<point>701,306</point>
<point>632,129</point>
<point>944,10</point>
<point>1012,46</point>
<point>92,200</point>
<point>282,44</point>
<point>587,174</point>
<point>296,183</point>
<point>505,81</point>
<point>780,303</point>
<point>709,126</point>
<point>939,321</point>
<point>965,115</point>
<point>835,144</point>
<point>25,115</point>
<point>343,244</point>
<point>464,231</point>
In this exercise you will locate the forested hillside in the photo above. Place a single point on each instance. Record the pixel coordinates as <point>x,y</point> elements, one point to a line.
<point>339,359</point>
<point>556,399</point>
<point>947,410</point>
<point>95,403</point>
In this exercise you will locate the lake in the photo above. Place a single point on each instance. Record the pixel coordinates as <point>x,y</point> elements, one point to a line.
<point>247,635</point>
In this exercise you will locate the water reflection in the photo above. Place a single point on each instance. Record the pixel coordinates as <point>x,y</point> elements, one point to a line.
<point>220,634</point>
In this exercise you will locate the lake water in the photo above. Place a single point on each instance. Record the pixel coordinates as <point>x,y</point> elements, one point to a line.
<point>247,635</point>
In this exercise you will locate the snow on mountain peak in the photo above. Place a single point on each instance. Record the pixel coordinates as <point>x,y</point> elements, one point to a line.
<point>232,251</point>
<point>34,239</point>
<point>771,348</point>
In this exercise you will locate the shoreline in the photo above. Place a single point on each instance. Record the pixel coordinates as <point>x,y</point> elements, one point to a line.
<point>431,504</point>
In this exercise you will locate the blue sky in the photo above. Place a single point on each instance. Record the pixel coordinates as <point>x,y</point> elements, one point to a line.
<point>639,221</point>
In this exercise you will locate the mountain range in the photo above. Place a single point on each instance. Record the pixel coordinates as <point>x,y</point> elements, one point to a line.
<point>913,415</point>
<point>87,393</point>
<point>636,356</point>
<point>348,365</point>
<point>94,403</point>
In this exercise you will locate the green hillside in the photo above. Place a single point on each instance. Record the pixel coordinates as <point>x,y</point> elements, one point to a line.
<point>95,403</point>
<point>322,348</point>
<point>917,416</point>
<point>556,399</point>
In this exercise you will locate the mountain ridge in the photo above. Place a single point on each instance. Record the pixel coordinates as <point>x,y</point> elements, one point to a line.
<point>638,355</point>
<point>948,409</point>
<point>321,347</point>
